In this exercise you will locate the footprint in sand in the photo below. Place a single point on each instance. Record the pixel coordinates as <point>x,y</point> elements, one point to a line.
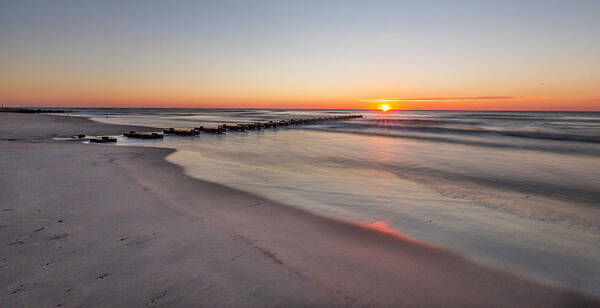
<point>155,299</point>
<point>18,289</point>
<point>57,236</point>
<point>17,242</point>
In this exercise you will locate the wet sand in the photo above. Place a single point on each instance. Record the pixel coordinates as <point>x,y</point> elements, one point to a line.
<point>102,225</point>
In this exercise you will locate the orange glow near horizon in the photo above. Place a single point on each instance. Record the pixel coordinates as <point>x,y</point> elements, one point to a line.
<point>119,93</point>
<point>167,98</point>
<point>384,107</point>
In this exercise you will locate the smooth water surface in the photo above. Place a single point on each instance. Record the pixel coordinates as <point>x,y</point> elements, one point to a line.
<point>520,190</point>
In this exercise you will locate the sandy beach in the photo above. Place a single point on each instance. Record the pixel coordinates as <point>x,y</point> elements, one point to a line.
<point>103,225</point>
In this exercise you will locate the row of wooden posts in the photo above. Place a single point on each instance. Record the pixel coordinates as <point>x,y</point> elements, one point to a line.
<point>223,128</point>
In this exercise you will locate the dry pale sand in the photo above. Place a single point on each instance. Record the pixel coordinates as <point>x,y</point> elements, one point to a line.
<point>103,225</point>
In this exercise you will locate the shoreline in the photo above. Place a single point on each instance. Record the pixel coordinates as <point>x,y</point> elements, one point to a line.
<point>44,127</point>
<point>105,225</point>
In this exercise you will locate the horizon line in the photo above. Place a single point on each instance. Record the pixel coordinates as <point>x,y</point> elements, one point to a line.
<point>358,109</point>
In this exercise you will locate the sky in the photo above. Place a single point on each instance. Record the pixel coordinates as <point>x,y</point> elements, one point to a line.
<point>476,55</point>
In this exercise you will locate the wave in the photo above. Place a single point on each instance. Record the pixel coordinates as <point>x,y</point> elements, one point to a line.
<point>564,191</point>
<point>387,126</point>
<point>576,150</point>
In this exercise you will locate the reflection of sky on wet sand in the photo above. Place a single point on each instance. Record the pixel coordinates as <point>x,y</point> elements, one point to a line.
<point>528,210</point>
<point>384,227</point>
<point>373,179</point>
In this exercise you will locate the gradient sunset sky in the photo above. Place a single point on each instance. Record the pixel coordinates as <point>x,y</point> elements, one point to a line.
<point>502,55</point>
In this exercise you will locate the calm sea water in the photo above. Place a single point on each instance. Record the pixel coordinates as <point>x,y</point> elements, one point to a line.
<point>519,190</point>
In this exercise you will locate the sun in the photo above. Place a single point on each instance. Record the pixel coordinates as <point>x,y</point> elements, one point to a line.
<point>384,108</point>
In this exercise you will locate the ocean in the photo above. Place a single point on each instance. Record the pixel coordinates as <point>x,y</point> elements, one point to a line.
<point>516,190</point>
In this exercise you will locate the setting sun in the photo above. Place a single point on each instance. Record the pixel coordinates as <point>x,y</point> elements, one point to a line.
<point>384,108</point>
